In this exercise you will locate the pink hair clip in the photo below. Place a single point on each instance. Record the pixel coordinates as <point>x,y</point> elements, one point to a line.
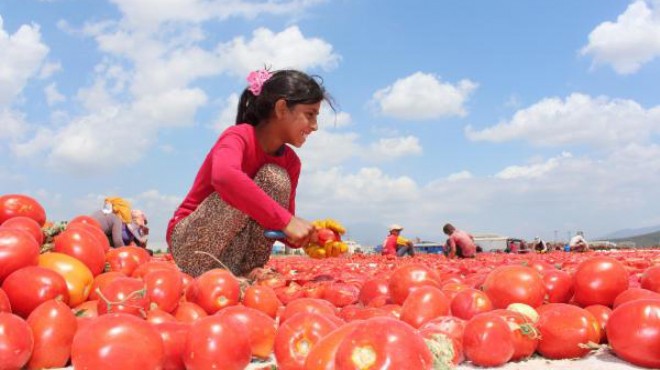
<point>256,80</point>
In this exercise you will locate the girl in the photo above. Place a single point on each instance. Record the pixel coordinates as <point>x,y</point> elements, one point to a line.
<point>247,183</point>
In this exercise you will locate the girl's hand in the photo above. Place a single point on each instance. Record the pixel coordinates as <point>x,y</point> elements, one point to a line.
<point>299,232</point>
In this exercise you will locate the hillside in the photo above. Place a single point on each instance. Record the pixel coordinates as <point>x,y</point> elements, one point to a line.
<point>644,240</point>
<point>628,233</point>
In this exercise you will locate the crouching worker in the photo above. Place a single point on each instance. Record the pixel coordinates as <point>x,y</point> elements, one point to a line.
<point>397,245</point>
<point>459,244</point>
<point>247,182</point>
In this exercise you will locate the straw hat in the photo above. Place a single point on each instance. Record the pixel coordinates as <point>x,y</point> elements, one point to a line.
<point>396,227</point>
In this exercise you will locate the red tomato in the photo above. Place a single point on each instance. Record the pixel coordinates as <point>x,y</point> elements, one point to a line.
<point>633,331</point>
<point>446,336</point>
<point>564,328</point>
<point>602,315</point>
<point>424,304</point>
<point>541,266</point>
<point>452,326</point>
<point>325,235</point>
<point>406,278</point>
<point>370,312</point>
<point>322,355</point>
<point>296,337</point>
<point>469,302</point>
<point>87,309</point>
<point>514,284</point>
<point>53,327</point>
<point>558,286</point>
<point>157,316</point>
<point>117,341</point>
<point>315,289</point>
<point>97,232</point>
<point>102,280</point>
<point>16,341</point>
<point>164,289</point>
<point>262,298</point>
<point>599,280</point>
<point>84,219</point>
<point>347,313</point>
<point>174,335</point>
<point>124,295</point>
<point>126,259</point>
<point>12,205</point>
<point>26,224</point>
<point>651,279</point>
<point>83,245</point>
<point>452,288</point>
<point>373,288</point>
<point>189,312</point>
<point>154,265</point>
<point>31,286</point>
<point>288,293</point>
<point>632,294</point>
<point>307,305</point>
<point>259,326</point>
<point>216,289</point>
<point>17,250</point>
<point>78,278</point>
<point>341,294</point>
<point>216,342</point>
<point>487,340</point>
<point>5,305</point>
<point>383,343</point>
<point>525,335</point>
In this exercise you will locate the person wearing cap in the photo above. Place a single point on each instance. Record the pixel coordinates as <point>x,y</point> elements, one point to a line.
<point>578,243</point>
<point>459,244</point>
<point>540,245</point>
<point>397,245</point>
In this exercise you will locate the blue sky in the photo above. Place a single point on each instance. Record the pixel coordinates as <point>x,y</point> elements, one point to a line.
<point>519,118</point>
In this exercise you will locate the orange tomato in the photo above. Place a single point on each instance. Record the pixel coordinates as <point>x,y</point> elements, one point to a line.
<point>78,277</point>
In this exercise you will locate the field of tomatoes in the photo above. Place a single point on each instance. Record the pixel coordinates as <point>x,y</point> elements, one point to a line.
<point>68,300</point>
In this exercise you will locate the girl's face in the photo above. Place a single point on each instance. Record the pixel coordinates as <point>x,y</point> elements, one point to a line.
<point>300,122</point>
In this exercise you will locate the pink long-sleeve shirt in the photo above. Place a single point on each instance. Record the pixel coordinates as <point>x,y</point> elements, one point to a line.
<point>229,169</point>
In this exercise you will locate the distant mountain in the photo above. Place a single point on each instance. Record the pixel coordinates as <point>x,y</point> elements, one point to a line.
<point>627,233</point>
<point>644,240</point>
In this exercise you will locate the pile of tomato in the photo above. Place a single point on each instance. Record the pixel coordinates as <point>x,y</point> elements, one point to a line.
<point>73,301</point>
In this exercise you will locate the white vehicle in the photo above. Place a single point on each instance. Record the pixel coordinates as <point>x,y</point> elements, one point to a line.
<point>499,243</point>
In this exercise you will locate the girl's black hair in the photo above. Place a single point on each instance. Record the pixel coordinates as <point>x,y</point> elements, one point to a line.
<point>293,86</point>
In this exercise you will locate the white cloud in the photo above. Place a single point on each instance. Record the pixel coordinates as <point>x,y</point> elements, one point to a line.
<point>329,119</point>
<point>49,68</point>
<point>386,149</point>
<point>579,119</point>
<point>565,192</point>
<point>631,41</point>
<point>21,55</point>
<point>458,176</point>
<point>227,116</point>
<point>112,136</point>
<point>423,96</point>
<point>53,96</point>
<point>13,124</point>
<point>287,49</point>
<point>536,170</point>
<point>151,13</point>
<point>367,186</point>
<point>325,149</point>
<point>143,84</point>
